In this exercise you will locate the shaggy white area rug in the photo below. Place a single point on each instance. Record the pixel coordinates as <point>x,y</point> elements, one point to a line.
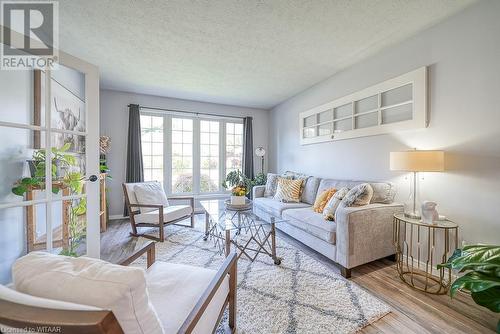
<point>299,296</point>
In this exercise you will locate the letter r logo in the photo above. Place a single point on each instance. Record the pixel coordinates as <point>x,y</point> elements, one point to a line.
<point>34,20</point>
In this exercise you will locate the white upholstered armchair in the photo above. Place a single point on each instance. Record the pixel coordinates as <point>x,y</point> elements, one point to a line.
<point>148,206</point>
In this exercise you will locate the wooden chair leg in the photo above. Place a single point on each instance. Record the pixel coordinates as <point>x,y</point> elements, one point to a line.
<point>232,296</point>
<point>191,202</point>
<point>160,221</point>
<point>132,224</point>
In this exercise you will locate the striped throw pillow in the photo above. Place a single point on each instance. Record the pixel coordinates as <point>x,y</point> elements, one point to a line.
<point>288,190</point>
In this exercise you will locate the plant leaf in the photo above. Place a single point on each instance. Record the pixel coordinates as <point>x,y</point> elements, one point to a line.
<point>474,281</point>
<point>489,298</point>
<point>19,190</point>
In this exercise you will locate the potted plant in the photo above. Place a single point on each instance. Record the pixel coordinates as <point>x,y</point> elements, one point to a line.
<point>482,280</point>
<point>239,187</point>
<point>60,161</point>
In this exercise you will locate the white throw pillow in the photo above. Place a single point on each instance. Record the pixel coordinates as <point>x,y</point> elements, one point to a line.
<point>333,203</point>
<point>90,282</point>
<point>151,193</point>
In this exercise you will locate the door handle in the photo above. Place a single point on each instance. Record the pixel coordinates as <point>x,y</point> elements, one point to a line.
<point>92,178</point>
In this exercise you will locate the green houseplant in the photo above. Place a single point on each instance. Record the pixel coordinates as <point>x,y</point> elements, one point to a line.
<point>482,279</point>
<point>62,177</point>
<point>60,160</point>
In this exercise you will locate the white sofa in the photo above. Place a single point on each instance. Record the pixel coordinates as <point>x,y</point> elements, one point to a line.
<point>357,236</point>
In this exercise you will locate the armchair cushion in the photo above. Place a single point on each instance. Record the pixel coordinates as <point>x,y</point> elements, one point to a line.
<point>174,290</point>
<point>150,193</point>
<point>90,282</point>
<point>14,296</point>
<point>170,213</point>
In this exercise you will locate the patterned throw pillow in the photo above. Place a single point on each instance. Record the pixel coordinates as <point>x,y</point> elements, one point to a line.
<point>288,190</point>
<point>272,183</point>
<point>333,204</point>
<point>322,199</point>
<point>359,195</point>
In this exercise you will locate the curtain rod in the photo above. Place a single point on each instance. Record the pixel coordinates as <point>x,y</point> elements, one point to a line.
<point>188,112</point>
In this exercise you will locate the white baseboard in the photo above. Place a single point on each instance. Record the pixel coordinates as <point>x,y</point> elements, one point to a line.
<point>115,217</point>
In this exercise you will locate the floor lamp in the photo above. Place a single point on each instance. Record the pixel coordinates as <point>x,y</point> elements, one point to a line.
<point>415,162</point>
<point>260,152</point>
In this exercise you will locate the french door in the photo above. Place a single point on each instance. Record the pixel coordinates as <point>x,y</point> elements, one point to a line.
<point>49,161</point>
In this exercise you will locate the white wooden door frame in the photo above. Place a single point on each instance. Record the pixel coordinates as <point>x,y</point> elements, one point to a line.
<point>91,133</point>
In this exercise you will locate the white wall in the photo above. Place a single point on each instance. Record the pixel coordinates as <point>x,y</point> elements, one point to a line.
<point>463,55</point>
<point>114,123</point>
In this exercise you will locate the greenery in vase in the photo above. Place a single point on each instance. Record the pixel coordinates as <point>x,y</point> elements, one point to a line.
<point>241,184</point>
<point>238,183</point>
<point>482,280</point>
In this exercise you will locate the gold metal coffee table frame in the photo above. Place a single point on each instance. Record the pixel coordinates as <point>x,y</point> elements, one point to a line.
<point>419,248</point>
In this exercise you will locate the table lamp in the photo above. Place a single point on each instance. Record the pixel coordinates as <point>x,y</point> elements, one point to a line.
<point>415,162</point>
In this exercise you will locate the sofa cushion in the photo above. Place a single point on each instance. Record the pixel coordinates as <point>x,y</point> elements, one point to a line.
<point>311,222</point>
<point>359,195</point>
<point>288,190</point>
<point>276,208</point>
<point>91,282</point>
<point>170,213</point>
<point>150,193</point>
<point>338,184</point>
<point>310,190</point>
<point>175,289</point>
<point>272,184</point>
<point>322,199</point>
<point>383,192</point>
<point>333,204</point>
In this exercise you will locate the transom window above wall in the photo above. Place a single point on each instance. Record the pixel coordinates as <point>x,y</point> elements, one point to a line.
<point>396,104</point>
<point>197,153</point>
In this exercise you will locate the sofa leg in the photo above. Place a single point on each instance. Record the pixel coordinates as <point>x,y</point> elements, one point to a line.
<point>346,273</point>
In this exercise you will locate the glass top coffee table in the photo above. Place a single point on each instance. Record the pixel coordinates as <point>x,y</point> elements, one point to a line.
<point>248,233</point>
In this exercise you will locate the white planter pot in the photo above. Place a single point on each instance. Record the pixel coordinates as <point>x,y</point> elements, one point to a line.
<point>238,200</point>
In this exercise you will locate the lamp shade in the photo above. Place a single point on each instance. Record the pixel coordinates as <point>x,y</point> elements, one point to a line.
<point>417,161</point>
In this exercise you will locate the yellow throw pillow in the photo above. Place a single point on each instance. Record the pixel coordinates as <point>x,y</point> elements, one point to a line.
<point>322,199</point>
<point>288,190</point>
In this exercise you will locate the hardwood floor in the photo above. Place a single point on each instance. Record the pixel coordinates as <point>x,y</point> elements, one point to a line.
<point>413,311</point>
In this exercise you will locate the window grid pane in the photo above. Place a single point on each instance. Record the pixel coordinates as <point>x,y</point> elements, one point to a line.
<point>152,147</point>
<point>209,156</point>
<point>234,147</point>
<point>182,155</point>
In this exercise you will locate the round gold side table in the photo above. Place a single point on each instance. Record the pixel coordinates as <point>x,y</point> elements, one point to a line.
<point>419,248</point>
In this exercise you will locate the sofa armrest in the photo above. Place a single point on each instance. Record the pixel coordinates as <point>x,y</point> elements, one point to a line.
<point>364,233</point>
<point>258,191</point>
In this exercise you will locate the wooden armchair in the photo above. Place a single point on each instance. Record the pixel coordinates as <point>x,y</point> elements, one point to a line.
<point>159,217</point>
<point>31,317</point>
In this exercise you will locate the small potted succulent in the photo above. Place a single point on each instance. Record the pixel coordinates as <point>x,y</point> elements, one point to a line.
<point>238,184</point>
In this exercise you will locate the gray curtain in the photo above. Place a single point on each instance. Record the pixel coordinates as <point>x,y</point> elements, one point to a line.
<point>248,147</point>
<point>135,170</point>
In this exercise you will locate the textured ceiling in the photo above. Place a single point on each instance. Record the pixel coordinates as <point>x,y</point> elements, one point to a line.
<point>247,53</point>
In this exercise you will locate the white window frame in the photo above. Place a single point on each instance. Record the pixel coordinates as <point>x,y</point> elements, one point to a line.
<point>419,119</point>
<point>167,149</point>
